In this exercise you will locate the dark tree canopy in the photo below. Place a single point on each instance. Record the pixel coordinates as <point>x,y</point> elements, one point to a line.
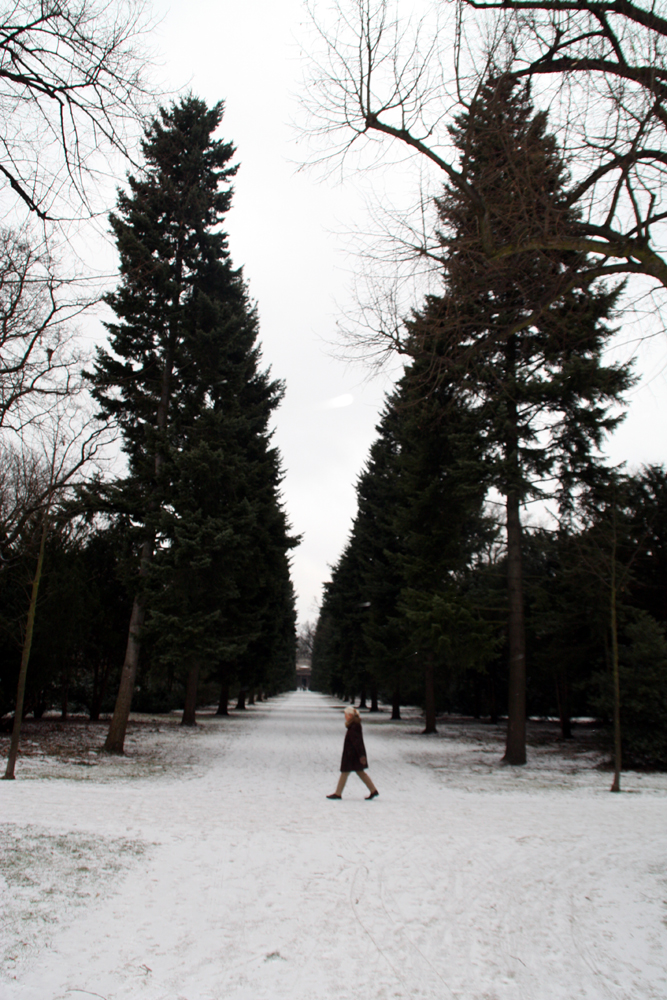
<point>508,358</point>
<point>182,379</point>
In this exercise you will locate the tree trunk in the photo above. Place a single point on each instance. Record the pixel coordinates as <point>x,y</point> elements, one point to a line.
<point>362,700</point>
<point>515,750</point>
<point>429,693</point>
<point>64,693</point>
<point>115,740</point>
<point>562,694</point>
<point>25,657</point>
<point>240,704</point>
<point>396,704</point>
<point>190,707</point>
<point>99,689</point>
<point>374,698</point>
<point>477,696</point>
<point>493,696</point>
<point>224,699</point>
<point>251,697</point>
<point>616,785</point>
<point>95,698</point>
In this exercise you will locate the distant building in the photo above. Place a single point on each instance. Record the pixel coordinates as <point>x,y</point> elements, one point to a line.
<point>303,675</point>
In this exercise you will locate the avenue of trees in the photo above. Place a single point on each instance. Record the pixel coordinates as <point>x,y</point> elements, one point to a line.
<point>184,557</point>
<point>162,580</point>
<point>167,583</point>
<point>505,401</point>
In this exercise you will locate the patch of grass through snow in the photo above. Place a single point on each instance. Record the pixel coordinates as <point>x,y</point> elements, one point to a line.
<point>45,878</point>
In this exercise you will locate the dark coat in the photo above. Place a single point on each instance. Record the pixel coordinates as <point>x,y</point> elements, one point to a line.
<point>354,751</point>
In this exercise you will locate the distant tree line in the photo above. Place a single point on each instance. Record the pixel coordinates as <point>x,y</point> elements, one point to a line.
<point>505,400</point>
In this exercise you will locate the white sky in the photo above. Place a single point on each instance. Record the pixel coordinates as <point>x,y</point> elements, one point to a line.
<point>283,230</point>
<point>287,230</point>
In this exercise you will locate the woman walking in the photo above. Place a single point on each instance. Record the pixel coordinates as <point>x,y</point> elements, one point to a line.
<point>354,756</point>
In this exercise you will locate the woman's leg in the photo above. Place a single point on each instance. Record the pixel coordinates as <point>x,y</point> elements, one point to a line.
<point>344,775</point>
<point>367,781</point>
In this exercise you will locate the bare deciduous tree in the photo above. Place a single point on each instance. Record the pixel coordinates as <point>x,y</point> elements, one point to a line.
<point>604,66</point>
<point>39,361</point>
<point>377,76</point>
<point>46,464</point>
<point>35,480</point>
<point>71,83</point>
<point>304,642</point>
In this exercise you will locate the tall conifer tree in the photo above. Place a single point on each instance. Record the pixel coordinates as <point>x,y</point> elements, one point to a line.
<point>533,373</point>
<point>393,609</point>
<point>183,382</point>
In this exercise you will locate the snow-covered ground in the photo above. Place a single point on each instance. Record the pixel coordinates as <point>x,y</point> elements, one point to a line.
<point>209,865</point>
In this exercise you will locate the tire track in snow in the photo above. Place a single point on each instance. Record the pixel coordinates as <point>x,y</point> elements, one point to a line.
<point>408,963</point>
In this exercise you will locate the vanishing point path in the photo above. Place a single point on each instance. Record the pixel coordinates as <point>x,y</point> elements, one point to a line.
<point>209,865</point>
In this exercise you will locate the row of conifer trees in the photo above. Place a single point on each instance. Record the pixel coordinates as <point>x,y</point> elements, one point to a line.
<point>443,594</point>
<point>175,572</point>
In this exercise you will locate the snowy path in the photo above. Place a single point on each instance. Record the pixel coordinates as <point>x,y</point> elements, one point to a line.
<point>235,879</point>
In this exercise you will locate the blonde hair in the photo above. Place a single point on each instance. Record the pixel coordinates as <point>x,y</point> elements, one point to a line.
<point>351,714</point>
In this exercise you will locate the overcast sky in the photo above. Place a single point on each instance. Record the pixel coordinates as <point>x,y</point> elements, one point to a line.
<point>287,230</point>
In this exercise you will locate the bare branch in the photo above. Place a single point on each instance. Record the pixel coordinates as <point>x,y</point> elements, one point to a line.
<point>39,363</point>
<point>601,68</point>
<point>647,18</point>
<point>72,89</point>
<point>40,471</point>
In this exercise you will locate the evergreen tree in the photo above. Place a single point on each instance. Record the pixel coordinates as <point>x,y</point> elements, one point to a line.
<point>182,381</point>
<point>441,521</point>
<point>394,615</point>
<point>379,494</point>
<point>649,501</point>
<point>533,373</point>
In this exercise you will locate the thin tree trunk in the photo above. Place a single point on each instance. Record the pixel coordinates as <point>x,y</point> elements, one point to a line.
<point>190,707</point>
<point>429,693</point>
<point>99,690</point>
<point>616,785</point>
<point>95,698</point>
<point>25,657</point>
<point>493,701</point>
<point>224,699</point>
<point>64,693</point>
<point>362,700</point>
<point>374,698</point>
<point>396,704</point>
<point>115,740</point>
<point>251,697</point>
<point>562,694</point>
<point>515,750</point>
<point>241,699</point>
